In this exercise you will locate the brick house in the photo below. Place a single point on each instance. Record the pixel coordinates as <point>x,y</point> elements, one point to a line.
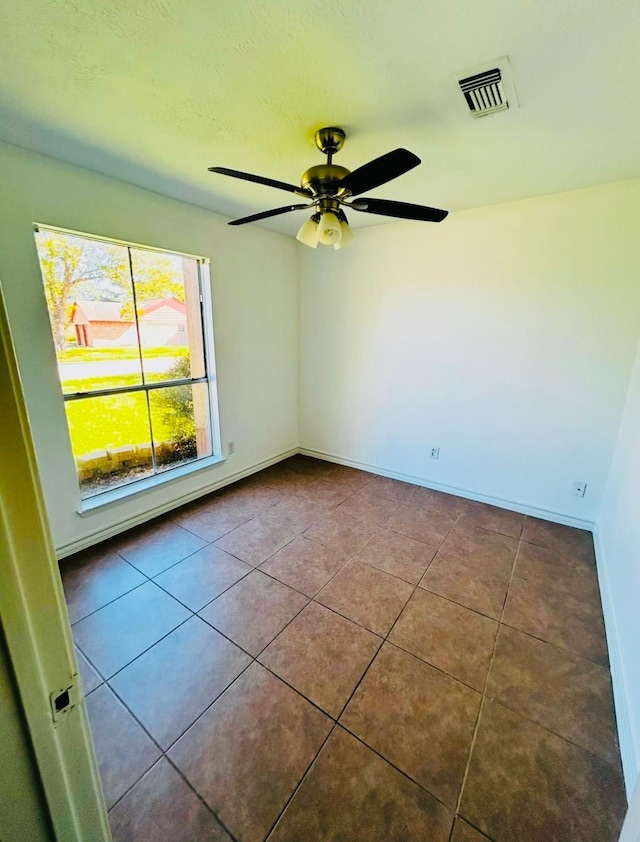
<point>161,321</point>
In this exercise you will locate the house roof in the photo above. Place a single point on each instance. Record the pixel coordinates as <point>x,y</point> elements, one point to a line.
<point>97,311</point>
<point>111,311</point>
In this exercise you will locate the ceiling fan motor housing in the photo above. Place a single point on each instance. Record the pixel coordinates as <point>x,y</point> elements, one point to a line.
<point>323,179</point>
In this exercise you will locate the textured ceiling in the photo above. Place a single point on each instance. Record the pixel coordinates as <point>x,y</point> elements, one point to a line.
<point>155,91</point>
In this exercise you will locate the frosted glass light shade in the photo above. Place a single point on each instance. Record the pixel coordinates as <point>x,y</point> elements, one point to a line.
<point>330,231</point>
<point>309,233</point>
<point>347,236</point>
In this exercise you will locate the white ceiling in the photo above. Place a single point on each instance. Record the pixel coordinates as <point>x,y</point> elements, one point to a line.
<point>155,91</point>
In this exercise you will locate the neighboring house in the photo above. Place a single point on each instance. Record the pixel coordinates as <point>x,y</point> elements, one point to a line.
<point>161,321</point>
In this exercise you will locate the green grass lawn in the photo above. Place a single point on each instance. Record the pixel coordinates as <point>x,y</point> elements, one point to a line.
<point>95,355</point>
<point>110,421</point>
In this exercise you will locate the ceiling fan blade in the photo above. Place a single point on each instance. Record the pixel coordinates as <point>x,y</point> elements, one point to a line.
<point>379,171</point>
<point>401,210</point>
<point>258,179</point>
<point>256,216</point>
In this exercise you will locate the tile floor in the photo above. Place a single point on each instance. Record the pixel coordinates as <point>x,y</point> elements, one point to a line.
<point>318,653</point>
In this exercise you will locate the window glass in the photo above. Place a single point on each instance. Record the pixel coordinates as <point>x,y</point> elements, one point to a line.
<point>127,323</point>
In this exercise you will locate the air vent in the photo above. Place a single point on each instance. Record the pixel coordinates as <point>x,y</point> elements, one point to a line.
<point>484,92</point>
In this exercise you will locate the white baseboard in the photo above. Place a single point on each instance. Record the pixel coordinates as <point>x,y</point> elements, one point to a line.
<point>513,505</point>
<point>628,749</point>
<point>155,511</point>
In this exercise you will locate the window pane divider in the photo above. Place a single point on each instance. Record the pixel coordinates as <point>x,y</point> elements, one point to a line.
<point>141,387</point>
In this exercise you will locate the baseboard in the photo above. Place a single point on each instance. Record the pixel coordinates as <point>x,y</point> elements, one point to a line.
<point>622,702</point>
<point>155,511</point>
<point>512,505</point>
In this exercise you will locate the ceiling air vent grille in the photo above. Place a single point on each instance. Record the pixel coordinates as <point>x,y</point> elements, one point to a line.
<point>484,92</point>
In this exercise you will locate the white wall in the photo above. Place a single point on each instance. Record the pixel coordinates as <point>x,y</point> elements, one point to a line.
<point>254,276</point>
<point>504,335</point>
<point>618,547</point>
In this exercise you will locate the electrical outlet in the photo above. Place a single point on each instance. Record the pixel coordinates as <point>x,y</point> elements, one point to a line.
<point>579,488</point>
<point>435,453</point>
<point>231,448</point>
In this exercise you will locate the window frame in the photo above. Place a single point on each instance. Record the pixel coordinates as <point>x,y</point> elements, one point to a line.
<point>158,477</point>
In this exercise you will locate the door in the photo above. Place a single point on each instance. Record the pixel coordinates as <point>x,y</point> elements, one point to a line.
<point>62,773</point>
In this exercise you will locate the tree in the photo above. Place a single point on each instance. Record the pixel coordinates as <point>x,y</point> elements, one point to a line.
<point>76,267</point>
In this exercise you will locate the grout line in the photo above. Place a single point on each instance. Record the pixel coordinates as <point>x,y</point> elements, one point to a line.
<point>140,654</point>
<point>486,681</point>
<point>201,799</point>
<point>328,510</point>
<point>300,782</point>
<point>111,601</point>
<point>397,768</point>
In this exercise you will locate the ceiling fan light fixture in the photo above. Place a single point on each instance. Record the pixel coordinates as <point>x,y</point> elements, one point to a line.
<point>347,236</point>
<point>309,232</point>
<point>330,230</point>
<point>330,187</point>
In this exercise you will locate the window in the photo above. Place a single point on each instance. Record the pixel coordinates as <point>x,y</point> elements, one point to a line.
<point>134,365</point>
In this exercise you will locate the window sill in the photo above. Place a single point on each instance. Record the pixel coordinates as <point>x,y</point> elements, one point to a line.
<point>142,486</point>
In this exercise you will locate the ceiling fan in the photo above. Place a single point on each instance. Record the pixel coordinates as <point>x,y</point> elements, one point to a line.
<point>331,188</point>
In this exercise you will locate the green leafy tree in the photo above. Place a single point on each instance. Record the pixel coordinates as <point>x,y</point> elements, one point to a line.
<point>75,267</point>
<point>69,267</point>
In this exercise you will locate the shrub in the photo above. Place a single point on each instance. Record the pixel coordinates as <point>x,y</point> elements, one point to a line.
<point>175,404</point>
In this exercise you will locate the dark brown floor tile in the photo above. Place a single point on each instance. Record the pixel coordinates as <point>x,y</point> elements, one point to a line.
<point>248,497</point>
<point>563,692</point>
<point>326,493</point>
<point>482,516</point>
<point>342,531</point>
<point>122,630</point>
<point>157,545</point>
<point>256,540</point>
<point>473,568</point>
<point>463,832</point>
<point>202,577</point>
<point>123,750</point>
<point>307,465</point>
<point>421,720</point>
<point>398,555</point>
<point>305,565</point>
<point>333,490</point>
<point>391,489</point>
<point>577,543</point>
<point>285,478</point>
<point>246,754</point>
<point>348,477</point>
<point>552,569</point>
<point>352,795</point>
<point>294,513</point>
<point>161,807</point>
<point>94,578</point>
<point>169,686</point>
<point>254,611</point>
<point>209,520</point>
<point>556,617</point>
<point>367,596</point>
<point>322,655</point>
<point>527,784</point>
<point>369,507</point>
<point>89,677</point>
<point>422,524</point>
<point>437,501</point>
<point>455,639</point>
